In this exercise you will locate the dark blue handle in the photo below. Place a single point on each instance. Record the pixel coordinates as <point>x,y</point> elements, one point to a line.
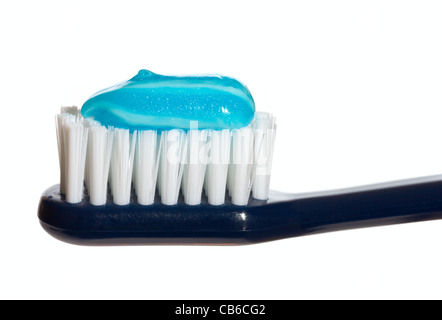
<point>282,216</point>
<point>391,203</point>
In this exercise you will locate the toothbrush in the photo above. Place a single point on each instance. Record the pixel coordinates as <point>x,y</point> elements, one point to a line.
<point>186,159</point>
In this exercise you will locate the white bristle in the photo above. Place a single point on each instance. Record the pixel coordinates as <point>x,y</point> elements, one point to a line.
<point>265,132</point>
<point>160,152</point>
<point>99,151</point>
<point>195,167</point>
<point>146,166</point>
<point>121,165</point>
<point>230,171</point>
<point>72,110</point>
<point>217,168</point>
<point>172,158</point>
<point>165,163</point>
<point>240,180</point>
<point>72,138</point>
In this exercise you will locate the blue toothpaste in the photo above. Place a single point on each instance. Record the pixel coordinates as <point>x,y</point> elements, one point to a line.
<point>153,101</point>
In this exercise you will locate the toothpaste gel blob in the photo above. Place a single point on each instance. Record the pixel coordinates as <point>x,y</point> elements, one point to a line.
<point>153,101</point>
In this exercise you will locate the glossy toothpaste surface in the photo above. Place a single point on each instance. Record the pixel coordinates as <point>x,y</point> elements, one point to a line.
<point>163,102</point>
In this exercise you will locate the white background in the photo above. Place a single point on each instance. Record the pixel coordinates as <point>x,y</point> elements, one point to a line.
<point>356,87</point>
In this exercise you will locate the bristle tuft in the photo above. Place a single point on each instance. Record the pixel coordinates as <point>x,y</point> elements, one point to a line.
<point>72,138</point>
<point>146,166</point>
<point>265,133</point>
<point>173,153</point>
<point>240,179</point>
<point>195,167</point>
<point>217,167</point>
<point>121,165</point>
<point>99,151</point>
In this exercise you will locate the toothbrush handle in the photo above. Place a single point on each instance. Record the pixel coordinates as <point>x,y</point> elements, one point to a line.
<point>282,216</point>
<point>409,202</point>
